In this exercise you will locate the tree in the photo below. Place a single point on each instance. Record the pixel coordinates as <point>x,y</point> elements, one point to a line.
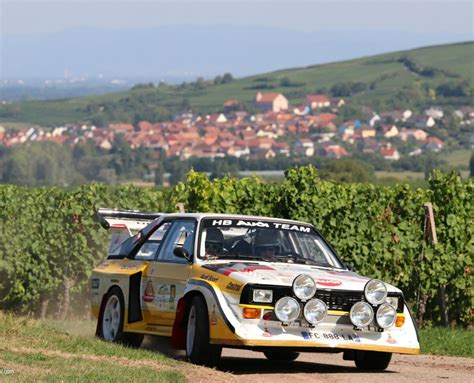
<point>346,170</point>
<point>227,78</point>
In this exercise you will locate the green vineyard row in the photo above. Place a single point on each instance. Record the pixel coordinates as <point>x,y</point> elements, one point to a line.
<point>50,239</point>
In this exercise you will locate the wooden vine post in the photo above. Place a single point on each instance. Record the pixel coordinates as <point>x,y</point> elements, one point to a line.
<point>430,236</point>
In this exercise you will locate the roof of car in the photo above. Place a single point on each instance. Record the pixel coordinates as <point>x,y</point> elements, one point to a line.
<point>200,216</point>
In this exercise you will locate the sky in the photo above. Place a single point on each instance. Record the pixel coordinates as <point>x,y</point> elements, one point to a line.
<point>448,16</point>
<point>193,38</point>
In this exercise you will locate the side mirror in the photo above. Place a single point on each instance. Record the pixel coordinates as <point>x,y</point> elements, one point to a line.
<point>181,252</point>
<point>351,267</point>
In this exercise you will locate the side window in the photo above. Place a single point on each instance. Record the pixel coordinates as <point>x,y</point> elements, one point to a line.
<point>181,234</point>
<point>148,250</point>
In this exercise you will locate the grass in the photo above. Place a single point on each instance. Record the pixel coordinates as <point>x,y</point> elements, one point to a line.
<point>458,159</point>
<point>452,342</point>
<point>32,351</point>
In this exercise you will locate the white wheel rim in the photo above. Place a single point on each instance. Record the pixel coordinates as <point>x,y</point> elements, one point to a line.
<point>191,330</point>
<point>111,318</point>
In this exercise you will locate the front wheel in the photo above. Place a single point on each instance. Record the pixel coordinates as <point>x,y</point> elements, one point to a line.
<point>198,348</point>
<point>111,321</point>
<point>372,360</point>
<point>281,355</point>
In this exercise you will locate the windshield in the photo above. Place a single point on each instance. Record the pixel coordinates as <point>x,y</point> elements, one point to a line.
<point>269,241</point>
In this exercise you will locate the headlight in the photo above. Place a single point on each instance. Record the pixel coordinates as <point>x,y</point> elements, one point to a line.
<point>386,315</point>
<point>361,314</point>
<point>304,287</point>
<point>260,295</point>
<point>393,301</point>
<point>375,292</point>
<point>315,311</point>
<point>287,309</point>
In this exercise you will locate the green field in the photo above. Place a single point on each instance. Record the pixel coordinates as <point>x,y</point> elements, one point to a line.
<point>385,73</point>
<point>32,351</point>
<point>453,342</point>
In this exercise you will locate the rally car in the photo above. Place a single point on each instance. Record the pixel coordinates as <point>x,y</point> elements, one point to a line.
<point>210,281</point>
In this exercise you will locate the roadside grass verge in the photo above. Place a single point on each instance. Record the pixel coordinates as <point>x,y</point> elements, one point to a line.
<point>449,342</point>
<point>32,351</point>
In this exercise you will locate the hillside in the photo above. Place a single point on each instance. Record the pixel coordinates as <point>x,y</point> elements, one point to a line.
<point>386,81</point>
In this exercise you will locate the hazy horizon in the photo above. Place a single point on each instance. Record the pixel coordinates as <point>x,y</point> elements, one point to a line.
<point>182,39</point>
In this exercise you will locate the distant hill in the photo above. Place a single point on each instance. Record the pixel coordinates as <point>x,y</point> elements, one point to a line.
<point>390,80</point>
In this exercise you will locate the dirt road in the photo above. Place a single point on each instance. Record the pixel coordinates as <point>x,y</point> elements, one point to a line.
<point>253,367</point>
<point>249,366</point>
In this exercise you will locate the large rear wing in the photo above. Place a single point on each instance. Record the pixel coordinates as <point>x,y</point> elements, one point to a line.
<point>123,224</point>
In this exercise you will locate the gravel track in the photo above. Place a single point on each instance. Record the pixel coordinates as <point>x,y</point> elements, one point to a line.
<point>249,366</point>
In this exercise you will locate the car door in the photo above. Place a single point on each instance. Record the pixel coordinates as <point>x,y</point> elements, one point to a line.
<point>170,273</point>
<point>146,255</point>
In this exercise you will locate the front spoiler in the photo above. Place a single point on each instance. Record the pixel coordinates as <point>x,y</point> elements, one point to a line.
<point>308,345</point>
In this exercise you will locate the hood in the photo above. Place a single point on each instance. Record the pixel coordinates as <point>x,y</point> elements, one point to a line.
<point>283,274</point>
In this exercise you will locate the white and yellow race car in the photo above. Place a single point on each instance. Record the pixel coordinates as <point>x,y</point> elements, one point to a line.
<point>210,281</point>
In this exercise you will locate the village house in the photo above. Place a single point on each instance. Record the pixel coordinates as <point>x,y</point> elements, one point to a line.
<point>417,134</point>
<point>317,101</point>
<point>274,102</point>
<point>281,149</point>
<point>121,128</point>
<point>334,151</point>
<point>435,112</point>
<point>433,144</point>
<point>388,130</point>
<point>422,122</point>
<point>389,152</point>
<point>367,131</point>
<point>304,147</point>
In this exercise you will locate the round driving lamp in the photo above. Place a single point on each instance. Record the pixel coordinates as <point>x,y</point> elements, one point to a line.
<point>361,314</point>
<point>287,309</point>
<point>375,292</point>
<point>386,315</point>
<point>304,287</point>
<point>314,311</point>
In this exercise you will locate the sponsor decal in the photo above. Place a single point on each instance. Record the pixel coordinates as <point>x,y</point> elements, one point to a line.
<point>356,338</point>
<point>114,281</point>
<point>391,340</point>
<point>172,296</point>
<point>260,224</point>
<point>209,278</point>
<point>328,282</point>
<point>149,295</point>
<point>233,287</point>
<point>131,267</point>
<point>266,333</point>
<point>163,296</point>
<point>103,266</point>
<point>213,316</point>
<point>95,283</point>
<point>306,335</point>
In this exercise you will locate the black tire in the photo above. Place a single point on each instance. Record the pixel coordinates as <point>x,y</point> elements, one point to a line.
<point>116,335</point>
<point>198,348</point>
<point>281,355</point>
<point>372,360</point>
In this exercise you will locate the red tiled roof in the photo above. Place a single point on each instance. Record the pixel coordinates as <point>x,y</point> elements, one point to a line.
<point>317,98</point>
<point>266,97</point>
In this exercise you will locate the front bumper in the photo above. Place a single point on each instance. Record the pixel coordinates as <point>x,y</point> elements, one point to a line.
<point>334,334</point>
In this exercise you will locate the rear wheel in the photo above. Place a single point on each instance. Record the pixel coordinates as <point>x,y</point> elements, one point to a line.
<point>281,355</point>
<point>112,318</point>
<point>198,348</point>
<point>372,360</point>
